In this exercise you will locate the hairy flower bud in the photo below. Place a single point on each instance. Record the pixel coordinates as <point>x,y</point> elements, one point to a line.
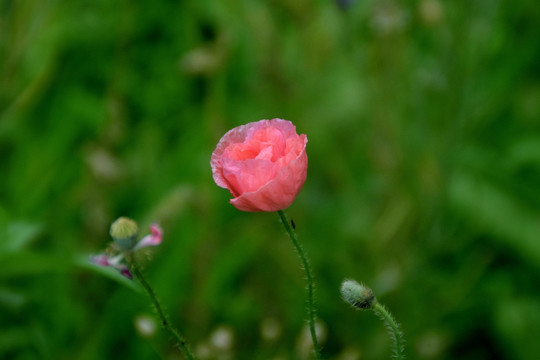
<point>357,295</point>
<point>124,232</point>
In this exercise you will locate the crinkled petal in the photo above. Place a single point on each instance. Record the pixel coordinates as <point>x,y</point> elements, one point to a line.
<point>233,136</point>
<point>278,193</point>
<point>248,175</point>
<point>241,134</point>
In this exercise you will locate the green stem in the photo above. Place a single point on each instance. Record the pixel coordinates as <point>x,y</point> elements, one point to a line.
<point>309,277</point>
<point>393,326</point>
<point>159,309</point>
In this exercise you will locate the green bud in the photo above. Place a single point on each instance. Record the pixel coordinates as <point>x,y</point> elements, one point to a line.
<point>124,232</point>
<point>357,295</point>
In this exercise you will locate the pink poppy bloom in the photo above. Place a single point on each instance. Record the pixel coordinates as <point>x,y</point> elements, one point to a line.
<point>263,164</point>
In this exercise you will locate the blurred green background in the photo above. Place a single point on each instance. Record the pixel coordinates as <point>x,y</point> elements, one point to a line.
<point>423,119</point>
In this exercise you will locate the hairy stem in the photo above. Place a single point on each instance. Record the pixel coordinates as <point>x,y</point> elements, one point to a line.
<point>159,309</point>
<point>394,328</point>
<point>310,281</point>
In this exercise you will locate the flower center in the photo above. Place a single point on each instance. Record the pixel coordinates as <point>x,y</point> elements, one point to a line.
<point>265,144</point>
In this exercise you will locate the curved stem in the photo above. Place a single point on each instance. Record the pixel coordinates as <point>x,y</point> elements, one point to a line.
<point>393,326</point>
<point>310,281</point>
<point>159,309</point>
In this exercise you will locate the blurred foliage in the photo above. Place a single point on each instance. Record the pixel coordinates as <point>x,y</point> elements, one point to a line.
<point>423,118</point>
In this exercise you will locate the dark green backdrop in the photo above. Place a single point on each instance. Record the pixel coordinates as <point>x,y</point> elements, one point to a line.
<point>423,119</point>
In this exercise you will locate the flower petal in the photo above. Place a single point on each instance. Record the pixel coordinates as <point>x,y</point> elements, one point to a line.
<point>280,192</point>
<point>125,272</point>
<point>101,260</point>
<point>152,239</point>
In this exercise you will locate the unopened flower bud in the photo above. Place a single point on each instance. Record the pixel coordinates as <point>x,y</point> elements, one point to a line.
<point>124,232</point>
<point>357,295</point>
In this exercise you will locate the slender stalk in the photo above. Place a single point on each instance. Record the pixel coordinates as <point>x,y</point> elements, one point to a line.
<point>159,309</point>
<point>310,281</point>
<point>393,326</point>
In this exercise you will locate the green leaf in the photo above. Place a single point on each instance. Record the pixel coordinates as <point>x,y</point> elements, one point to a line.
<point>83,262</point>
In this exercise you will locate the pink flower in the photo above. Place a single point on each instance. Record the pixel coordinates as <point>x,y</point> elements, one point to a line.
<point>152,239</point>
<point>263,164</point>
<point>115,260</point>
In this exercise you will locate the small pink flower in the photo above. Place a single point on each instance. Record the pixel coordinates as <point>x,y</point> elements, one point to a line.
<point>152,239</point>
<point>101,260</point>
<point>263,164</point>
<point>115,261</point>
